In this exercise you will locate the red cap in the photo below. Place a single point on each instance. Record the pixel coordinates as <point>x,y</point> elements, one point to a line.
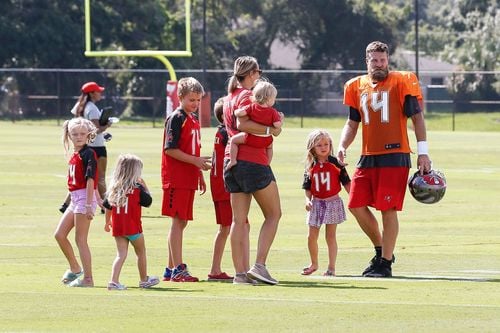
<point>91,87</point>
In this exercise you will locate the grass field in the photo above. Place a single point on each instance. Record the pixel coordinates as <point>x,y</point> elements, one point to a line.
<point>447,273</point>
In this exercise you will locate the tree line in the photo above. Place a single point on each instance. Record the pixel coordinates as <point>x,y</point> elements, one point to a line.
<point>328,34</point>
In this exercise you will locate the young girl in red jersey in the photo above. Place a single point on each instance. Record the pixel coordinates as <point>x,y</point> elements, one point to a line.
<point>181,172</point>
<point>126,194</point>
<point>322,182</point>
<point>82,182</point>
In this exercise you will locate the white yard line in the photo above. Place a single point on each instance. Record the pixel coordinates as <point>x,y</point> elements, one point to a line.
<point>168,294</point>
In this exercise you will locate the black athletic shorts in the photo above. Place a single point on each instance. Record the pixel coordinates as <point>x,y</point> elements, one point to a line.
<point>100,151</point>
<point>247,177</point>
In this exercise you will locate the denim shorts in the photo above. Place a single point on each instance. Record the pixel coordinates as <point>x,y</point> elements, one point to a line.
<point>247,177</point>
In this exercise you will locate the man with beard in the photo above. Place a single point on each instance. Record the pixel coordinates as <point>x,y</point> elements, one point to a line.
<point>382,101</point>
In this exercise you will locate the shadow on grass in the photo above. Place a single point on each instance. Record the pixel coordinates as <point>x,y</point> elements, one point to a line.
<point>322,284</point>
<point>423,278</point>
<point>444,278</point>
<point>167,289</point>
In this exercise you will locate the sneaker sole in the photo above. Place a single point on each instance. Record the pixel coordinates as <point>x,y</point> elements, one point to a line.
<point>184,281</point>
<point>219,280</point>
<point>245,283</point>
<point>375,275</point>
<point>259,277</point>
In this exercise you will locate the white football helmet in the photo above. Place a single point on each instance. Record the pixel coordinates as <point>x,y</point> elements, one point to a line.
<point>428,188</point>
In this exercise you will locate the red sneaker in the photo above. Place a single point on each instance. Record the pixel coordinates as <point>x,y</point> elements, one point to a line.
<point>181,274</point>
<point>220,277</point>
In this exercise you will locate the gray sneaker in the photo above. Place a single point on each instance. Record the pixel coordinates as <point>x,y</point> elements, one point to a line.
<point>260,273</point>
<point>242,278</point>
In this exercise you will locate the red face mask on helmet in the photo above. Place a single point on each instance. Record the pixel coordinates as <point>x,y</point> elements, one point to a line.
<point>428,188</point>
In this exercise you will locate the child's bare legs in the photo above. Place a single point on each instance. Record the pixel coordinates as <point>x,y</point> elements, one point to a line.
<point>235,140</point>
<point>175,240</point>
<point>121,255</point>
<point>331,241</point>
<point>170,263</point>
<point>139,245</point>
<point>61,235</point>
<point>312,245</point>
<point>219,245</point>
<point>82,226</point>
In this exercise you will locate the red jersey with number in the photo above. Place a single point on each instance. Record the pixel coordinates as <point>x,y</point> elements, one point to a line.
<point>219,193</point>
<point>238,99</point>
<point>324,179</point>
<point>81,166</point>
<point>126,220</point>
<point>381,107</point>
<point>182,131</point>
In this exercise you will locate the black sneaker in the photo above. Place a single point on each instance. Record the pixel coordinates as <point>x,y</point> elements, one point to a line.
<point>382,269</point>
<point>63,207</point>
<point>373,263</point>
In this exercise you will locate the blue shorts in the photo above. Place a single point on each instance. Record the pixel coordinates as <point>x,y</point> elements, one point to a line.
<point>247,177</point>
<point>133,237</point>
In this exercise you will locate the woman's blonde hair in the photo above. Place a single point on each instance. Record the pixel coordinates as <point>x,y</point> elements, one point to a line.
<point>242,67</point>
<point>312,140</point>
<point>125,178</point>
<point>77,122</point>
<point>263,92</point>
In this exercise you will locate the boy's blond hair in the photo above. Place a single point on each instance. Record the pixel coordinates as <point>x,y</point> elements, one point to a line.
<point>187,85</point>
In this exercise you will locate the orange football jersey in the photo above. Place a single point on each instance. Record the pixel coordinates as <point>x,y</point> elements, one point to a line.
<point>381,107</point>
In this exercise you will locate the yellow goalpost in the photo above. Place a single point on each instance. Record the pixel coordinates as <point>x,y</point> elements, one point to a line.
<point>160,55</point>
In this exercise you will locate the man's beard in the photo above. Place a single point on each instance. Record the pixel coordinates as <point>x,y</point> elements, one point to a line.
<point>379,74</point>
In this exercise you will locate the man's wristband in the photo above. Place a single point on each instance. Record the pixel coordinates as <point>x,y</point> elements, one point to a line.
<point>268,129</point>
<point>422,148</point>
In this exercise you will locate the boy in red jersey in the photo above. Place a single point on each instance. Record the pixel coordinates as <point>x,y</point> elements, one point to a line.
<point>181,172</point>
<point>382,101</point>
<point>220,197</point>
